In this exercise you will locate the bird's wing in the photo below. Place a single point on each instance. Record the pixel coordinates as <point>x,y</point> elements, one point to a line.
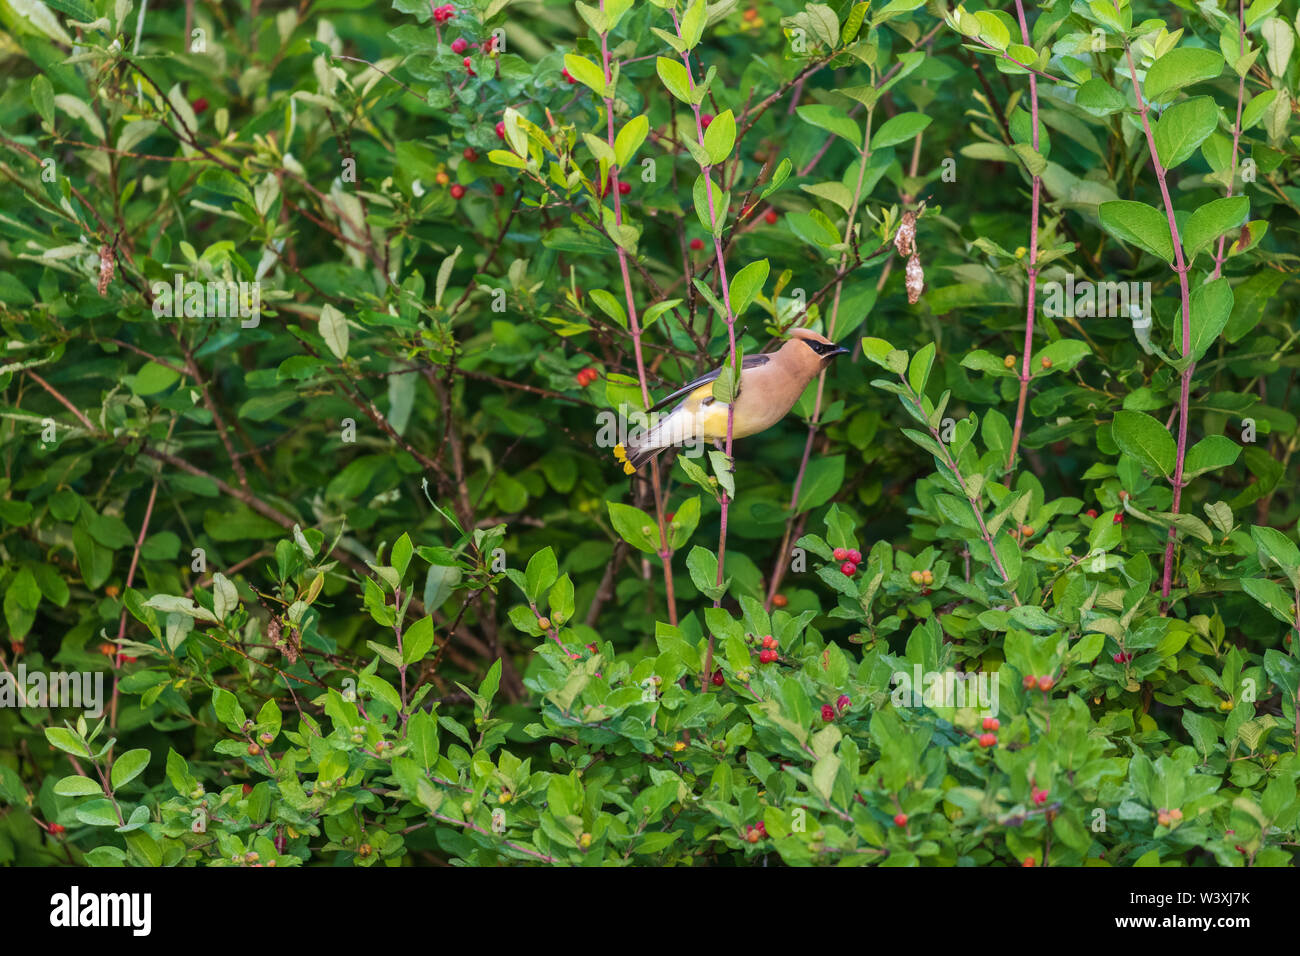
<point>749,361</point>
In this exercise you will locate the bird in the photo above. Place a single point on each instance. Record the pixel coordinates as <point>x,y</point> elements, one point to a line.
<point>770,384</point>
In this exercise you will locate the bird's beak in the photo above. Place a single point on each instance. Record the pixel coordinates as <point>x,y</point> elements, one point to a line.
<point>841,350</point>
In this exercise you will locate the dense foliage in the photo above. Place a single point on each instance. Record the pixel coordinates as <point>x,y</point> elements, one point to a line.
<point>363,576</point>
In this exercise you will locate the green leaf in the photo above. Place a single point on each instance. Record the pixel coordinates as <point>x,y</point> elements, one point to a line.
<point>746,284</point>
<point>417,640</point>
<point>77,786</point>
<point>1099,98</point>
<point>334,330</point>
<point>675,78</point>
<point>1142,225</point>
<point>821,482</point>
<point>67,741</point>
<point>127,767</point>
<point>43,98</point>
<point>1211,220</point>
<point>1178,68</point>
<point>899,129</point>
<point>1209,454</point>
<point>630,138</point>
<point>833,120</point>
<point>542,571</point>
<point>918,373</point>
<point>634,526</point>
<point>720,137</point>
<point>586,73</point>
<point>1183,127</point>
<point>703,567</point>
<point>1146,440</point>
<point>1211,307</point>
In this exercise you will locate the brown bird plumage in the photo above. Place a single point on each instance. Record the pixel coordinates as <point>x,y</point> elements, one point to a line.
<point>770,384</point>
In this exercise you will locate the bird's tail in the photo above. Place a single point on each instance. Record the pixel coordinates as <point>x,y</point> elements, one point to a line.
<point>636,453</point>
<point>643,445</point>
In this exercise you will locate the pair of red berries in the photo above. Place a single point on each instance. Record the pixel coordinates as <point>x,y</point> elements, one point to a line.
<point>1038,796</point>
<point>567,77</point>
<point>1044,683</point>
<point>756,832</point>
<point>841,704</point>
<point>586,376</point>
<point>991,723</point>
<point>1123,657</point>
<point>851,558</point>
<point>988,740</point>
<point>769,652</point>
<point>444,13</point>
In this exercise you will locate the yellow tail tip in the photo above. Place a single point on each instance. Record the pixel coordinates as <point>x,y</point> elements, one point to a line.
<point>620,452</point>
<point>628,469</point>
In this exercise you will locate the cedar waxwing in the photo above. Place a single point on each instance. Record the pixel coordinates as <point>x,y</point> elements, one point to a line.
<point>770,384</point>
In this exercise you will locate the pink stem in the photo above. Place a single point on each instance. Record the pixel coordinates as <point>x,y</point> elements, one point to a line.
<point>730,317</point>
<point>1219,256</point>
<point>1033,258</point>
<point>634,325</point>
<point>1180,269</point>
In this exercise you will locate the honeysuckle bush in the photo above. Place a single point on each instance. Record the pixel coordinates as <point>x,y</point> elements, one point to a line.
<point>356,561</point>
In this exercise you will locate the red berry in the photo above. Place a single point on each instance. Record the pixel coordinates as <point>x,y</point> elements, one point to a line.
<point>200,105</point>
<point>457,191</point>
<point>751,835</point>
<point>780,600</point>
<point>459,45</point>
<point>697,244</point>
<point>1030,681</point>
<point>1091,512</point>
<point>718,680</point>
<point>771,642</point>
<point>770,217</point>
<point>1029,861</point>
<point>828,713</point>
<point>991,723</point>
<point>900,819</point>
<point>841,554</point>
<point>624,188</point>
<point>1045,683</point>
<point>767,657</point>
<point>842,702</point>
<point>567,78</point>
<point>470,153</point>
<point>1039,797</point>
<point>848,568</point>
<point>501,130</point>
<point>855,556</point>
<point>1118,519</point>
<point>498,189</point>
<point>762,829</point>
<point>988,740</point>
<point>57,829</point>
<point>706,119</point>
<point>468,64</point>
<point>246,789</point>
